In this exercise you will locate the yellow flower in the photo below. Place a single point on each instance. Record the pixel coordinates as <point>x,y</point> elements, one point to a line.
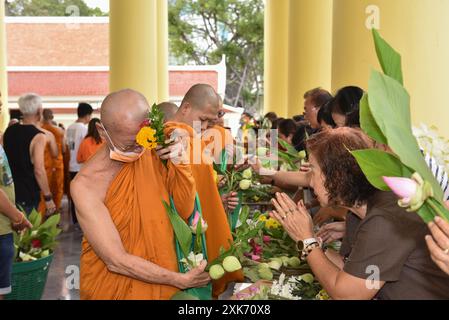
<point>146,138</point>
<point>272,224</point>
<point>262,218</point>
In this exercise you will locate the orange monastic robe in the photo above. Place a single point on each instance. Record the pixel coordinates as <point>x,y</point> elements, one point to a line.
<point>54,168</point>
<point>216,139</point>
<point>134,200</point>
<point>218,233</point>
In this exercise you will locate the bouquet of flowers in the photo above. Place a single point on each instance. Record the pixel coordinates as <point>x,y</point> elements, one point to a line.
<point>151,134</point>
<point>39,241</point>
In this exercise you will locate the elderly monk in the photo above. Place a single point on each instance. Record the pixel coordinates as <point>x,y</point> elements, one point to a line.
<point>129,251</point>
<point>169,110</point>
<point>54,166</point>
<point>201,105</point>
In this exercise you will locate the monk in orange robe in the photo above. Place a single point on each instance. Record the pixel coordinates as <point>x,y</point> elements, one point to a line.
<point>201,105</point>
<point>128,249</point>
<point>216,139</point>
<point>54,165</point>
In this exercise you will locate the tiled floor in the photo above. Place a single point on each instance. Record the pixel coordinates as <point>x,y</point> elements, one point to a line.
<point>63,276</point>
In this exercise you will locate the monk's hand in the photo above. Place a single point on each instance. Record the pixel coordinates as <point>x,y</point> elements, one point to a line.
<point>175,151</point>
<point>230,200</point>
<point>196,278</point>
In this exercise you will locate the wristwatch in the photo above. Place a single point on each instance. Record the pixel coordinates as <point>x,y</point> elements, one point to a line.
<point>48,197</point>
<point>305,247</point>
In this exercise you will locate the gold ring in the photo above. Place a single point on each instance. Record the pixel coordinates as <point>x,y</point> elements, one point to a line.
<point>446,252</point>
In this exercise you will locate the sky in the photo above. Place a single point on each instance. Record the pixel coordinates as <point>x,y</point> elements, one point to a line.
<point>102,4</point>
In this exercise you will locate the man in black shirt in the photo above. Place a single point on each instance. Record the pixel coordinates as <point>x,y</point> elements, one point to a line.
<point>25,145</point>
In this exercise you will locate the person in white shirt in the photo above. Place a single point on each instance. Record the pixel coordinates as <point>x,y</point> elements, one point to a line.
<point>75,134</point>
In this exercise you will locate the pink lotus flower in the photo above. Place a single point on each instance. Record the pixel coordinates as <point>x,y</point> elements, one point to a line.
<point>255,257</point>
<point>404,188</point>
<point>195,221</point>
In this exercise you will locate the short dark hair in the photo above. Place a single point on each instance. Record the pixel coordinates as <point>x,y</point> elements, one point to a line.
<point>344,180</point>
<point>298,118</point>
<point>347,103</point>
<point>84,109</point>
<point>325,114</point>
<point>318,96</point>
<point>300,137</point>
<point>287,127</point>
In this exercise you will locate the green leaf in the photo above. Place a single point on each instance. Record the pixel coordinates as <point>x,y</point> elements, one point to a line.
<point>51,222</point>
<point>182,230</point>
<point>368,123</point>
<point>291,151</point>
<point>376,164</point>
<point>389,59</point>
<point>390,106</point>
<point>35,219</point>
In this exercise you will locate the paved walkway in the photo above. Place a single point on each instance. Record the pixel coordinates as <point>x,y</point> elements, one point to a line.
<point>63,276</point>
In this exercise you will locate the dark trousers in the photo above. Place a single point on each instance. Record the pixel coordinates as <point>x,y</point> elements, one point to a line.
<point>71,203</point>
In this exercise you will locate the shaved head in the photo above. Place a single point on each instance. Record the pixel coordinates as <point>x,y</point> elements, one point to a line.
<point>201,96</point>
<point>122,113</point>
<point>200,106</point>
<point>47,114</point>
<point>169,110</point>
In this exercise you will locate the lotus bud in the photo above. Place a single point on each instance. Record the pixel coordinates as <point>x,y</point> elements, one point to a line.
<point>285,261</point>
<point>263,265</point>
<point>45,253</point>
<point>265,274</point>
<point>247,174</point>
<point>294,262</point>
<point>302,154</point>
<point>216,272</point>
<point>308,278</point>
<point>231,264</point>
<point>245,184</point>
<point>412,192</point>
<point>195,221</point>
<point>276,265</point>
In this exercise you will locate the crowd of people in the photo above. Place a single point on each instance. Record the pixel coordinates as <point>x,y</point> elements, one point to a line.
<point>39,158</point>
<point>128,248</point>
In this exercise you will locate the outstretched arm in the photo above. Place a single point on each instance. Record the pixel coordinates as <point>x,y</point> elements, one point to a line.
<point>106,242</point>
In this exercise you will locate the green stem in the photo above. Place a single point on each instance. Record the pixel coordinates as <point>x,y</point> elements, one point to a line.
<point>437,209</point>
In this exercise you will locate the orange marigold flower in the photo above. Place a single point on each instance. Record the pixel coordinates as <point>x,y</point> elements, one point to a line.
<point>146,138</point>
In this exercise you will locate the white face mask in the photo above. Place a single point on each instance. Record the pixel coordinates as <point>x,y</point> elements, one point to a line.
<point>117,155</point>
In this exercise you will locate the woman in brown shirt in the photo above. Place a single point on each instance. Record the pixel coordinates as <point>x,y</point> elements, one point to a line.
<point>386,253</point>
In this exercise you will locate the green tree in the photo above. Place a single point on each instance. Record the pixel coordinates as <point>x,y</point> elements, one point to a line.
<point>202,31</point>
<point>50,8</point>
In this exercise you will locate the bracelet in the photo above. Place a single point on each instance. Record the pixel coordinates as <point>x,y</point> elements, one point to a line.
<point>20,222</point>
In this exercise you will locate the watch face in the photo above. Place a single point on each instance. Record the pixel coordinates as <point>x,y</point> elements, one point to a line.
<point>300,245</point>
